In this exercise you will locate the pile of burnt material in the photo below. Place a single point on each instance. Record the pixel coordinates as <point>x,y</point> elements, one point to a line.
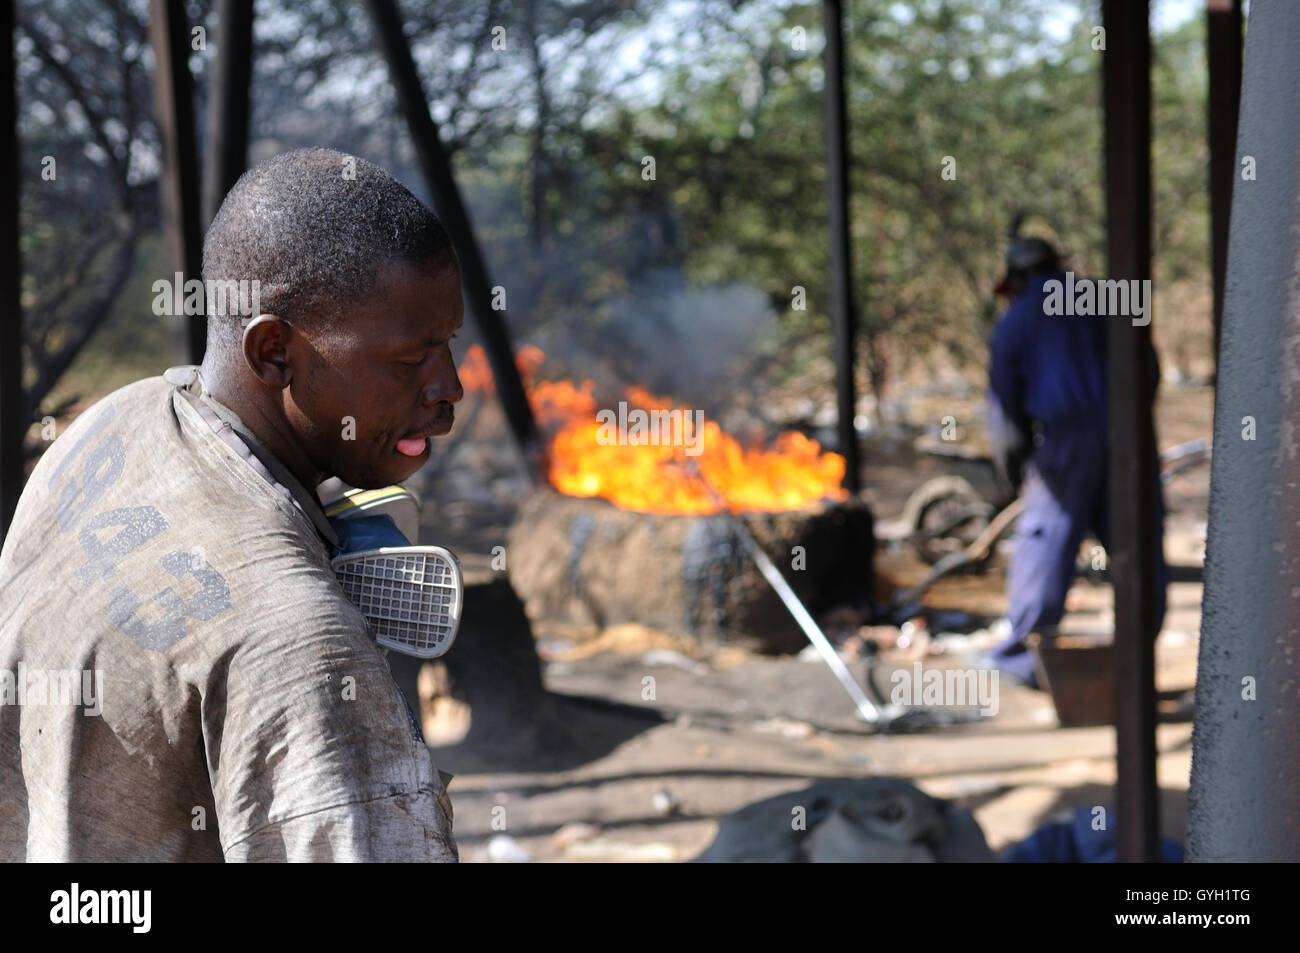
<point>585,561</point>
<point>850,820</point>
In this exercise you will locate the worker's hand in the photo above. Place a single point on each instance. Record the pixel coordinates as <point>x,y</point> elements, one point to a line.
<point>1010,469</point>
<point>1011,448</point>
<point>1011,437</point>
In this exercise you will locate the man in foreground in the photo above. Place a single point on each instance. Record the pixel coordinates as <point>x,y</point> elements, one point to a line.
<point>182,677</point>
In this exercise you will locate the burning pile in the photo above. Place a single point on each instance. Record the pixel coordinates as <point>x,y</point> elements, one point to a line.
<point>658,478</point>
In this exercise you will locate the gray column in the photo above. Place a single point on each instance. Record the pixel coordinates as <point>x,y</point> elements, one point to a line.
<point>1245,785</point>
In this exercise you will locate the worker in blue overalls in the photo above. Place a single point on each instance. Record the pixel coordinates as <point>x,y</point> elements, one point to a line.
<point>1048,426</point>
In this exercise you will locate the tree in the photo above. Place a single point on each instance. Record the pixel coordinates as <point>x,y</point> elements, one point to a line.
<point>89,193</point>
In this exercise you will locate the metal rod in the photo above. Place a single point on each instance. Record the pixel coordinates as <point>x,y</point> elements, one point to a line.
<point>13,423</point>
<point>843,313</point>
<point>174,116</point>
<point>1223,52</point>
<point>232,70</point>
<point>866,710</point>
<point>451,210</point>
<point>1126,97</point>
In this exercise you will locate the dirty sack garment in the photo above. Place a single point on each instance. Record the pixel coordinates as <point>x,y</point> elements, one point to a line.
<point>181,677</point>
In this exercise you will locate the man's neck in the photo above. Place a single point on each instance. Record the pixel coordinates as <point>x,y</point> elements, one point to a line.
<point>250,404</point>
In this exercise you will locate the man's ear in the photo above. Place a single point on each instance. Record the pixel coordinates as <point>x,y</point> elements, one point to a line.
<point>266,346</point>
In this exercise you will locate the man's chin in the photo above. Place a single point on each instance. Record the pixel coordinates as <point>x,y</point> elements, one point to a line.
<point>374,478</point>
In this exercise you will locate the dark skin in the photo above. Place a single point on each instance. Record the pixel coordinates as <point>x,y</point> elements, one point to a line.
<point>388,367</point>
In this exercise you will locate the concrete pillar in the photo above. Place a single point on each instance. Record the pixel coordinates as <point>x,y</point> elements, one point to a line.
<point>1245,784</point>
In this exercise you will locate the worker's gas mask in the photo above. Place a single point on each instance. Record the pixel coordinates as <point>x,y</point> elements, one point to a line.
<point>411,596</point>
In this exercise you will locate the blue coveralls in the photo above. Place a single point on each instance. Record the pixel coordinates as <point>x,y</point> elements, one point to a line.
<point>1047,380</point>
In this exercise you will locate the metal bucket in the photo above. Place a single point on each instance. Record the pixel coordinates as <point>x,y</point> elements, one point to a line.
<point>1078,672</point>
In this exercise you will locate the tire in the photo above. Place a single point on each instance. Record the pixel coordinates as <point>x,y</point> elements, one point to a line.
<point>938,502</point>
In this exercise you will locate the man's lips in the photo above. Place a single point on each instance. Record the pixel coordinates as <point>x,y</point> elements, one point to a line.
<point>416,443</point>
<point>413,446</point>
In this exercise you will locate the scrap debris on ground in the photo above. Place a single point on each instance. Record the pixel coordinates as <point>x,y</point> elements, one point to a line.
<point>663,749</point>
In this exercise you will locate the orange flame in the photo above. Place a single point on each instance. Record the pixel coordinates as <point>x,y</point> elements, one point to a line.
<point>476,375</point>
<point>661,478</point>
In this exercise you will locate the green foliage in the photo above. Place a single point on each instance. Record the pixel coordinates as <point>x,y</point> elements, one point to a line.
<point>551,134</point>
<point>737,134</point>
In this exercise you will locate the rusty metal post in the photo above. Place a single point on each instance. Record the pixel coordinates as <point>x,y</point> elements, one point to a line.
<point>843,315</point>
<point>1244,803</point>
<point>451,210</point>
<point>1223,51</point>
<point>13,424</point>
<point>1126,98</point>
<point>232,70</point>
<point>169,36</point>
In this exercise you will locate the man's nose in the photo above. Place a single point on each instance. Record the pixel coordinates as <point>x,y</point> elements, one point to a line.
<point>444,386</point>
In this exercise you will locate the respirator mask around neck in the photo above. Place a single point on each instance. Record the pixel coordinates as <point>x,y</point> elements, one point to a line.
<point>411,596</point>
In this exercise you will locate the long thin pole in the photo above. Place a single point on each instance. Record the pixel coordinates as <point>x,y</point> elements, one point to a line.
<point>451,210</point>
<point>1223,53</point>
<point>13,426</point>
<point>1126,96</point>
<point>843,315</point>
<point>866,710</point>
<point>174,115</point>
<point>232,70</point>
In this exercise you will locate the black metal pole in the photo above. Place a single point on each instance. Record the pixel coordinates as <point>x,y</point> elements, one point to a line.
<point>1223,35</point>
<point>232,70</point>
<point>13,425</point>
<point>843,315</point>
<point>1126,97</point>
<point>174,115</point>
<point>451,210</point>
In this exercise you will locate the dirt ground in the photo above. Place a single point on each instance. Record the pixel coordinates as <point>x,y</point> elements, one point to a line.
<point>663,739</point>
